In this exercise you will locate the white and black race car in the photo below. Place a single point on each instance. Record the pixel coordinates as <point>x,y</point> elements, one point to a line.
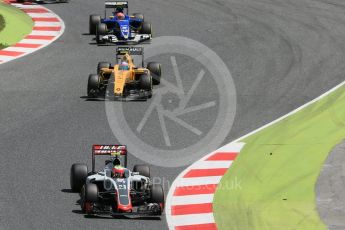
<point>116,190</point>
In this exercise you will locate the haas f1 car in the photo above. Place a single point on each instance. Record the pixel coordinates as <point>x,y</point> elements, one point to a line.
<point>119,27</point>
<point>115,190</point>
<point>124,81</point>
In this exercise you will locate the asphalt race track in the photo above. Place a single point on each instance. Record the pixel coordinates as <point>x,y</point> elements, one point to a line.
<point>281,54</point>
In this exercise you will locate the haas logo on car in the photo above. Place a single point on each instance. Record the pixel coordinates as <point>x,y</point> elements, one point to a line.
<point>125,30</point>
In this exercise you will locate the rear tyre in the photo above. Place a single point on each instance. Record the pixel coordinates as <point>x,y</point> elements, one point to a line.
<point>93,85</point>
<point>143,170</point>
<point>102,65</point>
<point>156,72</point>
<point>146,28</point>
<point>101,29</point>
<point>78,176</point>
<point>94,20</point>
<point>146,82</point>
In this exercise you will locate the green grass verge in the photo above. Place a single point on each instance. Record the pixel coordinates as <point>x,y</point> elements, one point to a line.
<point>277,170</point>
<point>2,26</point>
<point>15,25</point>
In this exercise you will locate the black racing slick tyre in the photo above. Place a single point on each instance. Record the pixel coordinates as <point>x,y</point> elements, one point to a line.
<point>139,16</point>
<point>143,170</point>
<point>102,65</point>
<point>94,20</point>
<point>91,193</point>
<point>146,28</point>
<point>88,196</point>
<point>156,72</point>
<point>101,29</point>
<point>78,176</point>
<point>157,195</point>
<point>93,85</point>
<point>146,82</point>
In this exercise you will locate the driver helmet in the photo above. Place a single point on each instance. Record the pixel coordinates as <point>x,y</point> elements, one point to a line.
<point>118,171</point>
<point>116,162</point>
<point>124,66</point>
<point>120,15</point>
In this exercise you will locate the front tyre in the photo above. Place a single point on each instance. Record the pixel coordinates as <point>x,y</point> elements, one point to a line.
<point>101,29</point>
<point>93,85</point>
<point>146,82</point>
<point>157,195</point>
<point>146,28</point>
<point>88,196</point>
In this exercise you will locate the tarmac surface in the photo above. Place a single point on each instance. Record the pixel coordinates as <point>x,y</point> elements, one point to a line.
<point>281,54</point>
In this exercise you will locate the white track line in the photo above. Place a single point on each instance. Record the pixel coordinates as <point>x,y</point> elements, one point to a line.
<point>38,23</point>
<point>42,15</point>
<point>193,219</point>
<point>212,164</point>
<point>193,199</point>
<point>199,181</point>
<point>35,41</point>
<point>47,33</point>
<point>20,49</point>
<point>291,113</point>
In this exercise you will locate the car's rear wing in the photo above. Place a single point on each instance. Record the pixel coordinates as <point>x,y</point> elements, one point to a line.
<point>108,150</point>
<point>122,50</point>
<point>116,4</point>
<point>129,50</point>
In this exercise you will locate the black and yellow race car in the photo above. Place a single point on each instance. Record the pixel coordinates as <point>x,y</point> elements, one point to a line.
<point>124,80</point>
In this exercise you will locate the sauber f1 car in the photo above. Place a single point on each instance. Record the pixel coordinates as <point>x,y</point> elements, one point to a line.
<point>119,27</point>
<point>124,81</point>
<point>115,190</point>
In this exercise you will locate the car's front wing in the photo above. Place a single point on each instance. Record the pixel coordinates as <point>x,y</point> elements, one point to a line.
<point>138,38</point>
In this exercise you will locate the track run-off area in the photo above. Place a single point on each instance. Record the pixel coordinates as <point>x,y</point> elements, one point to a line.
<point>38,29</point>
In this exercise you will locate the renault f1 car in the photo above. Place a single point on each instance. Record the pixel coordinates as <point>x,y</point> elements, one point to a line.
<point>119,27</point>
<point>124,81</point>
<point>116,190</point>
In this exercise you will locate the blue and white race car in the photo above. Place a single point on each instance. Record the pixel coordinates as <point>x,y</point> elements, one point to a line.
<point>119,27</point>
